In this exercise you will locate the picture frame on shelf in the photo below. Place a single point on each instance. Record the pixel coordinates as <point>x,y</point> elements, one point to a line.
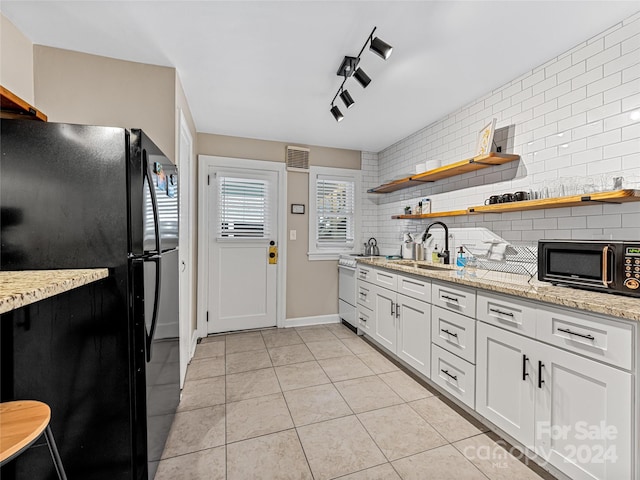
<point>485,138</point>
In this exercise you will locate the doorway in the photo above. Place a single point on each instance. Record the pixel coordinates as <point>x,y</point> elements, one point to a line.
<point>241,224</point>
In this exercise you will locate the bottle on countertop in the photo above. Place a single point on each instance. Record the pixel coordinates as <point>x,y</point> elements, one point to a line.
<point>461,260</point>
<point>435,256</point>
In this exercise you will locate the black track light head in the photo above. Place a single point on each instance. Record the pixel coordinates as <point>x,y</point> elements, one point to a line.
<point>337,114</point>
<point>346,98</point>
<point>362,78</point>
<point>380,48</point>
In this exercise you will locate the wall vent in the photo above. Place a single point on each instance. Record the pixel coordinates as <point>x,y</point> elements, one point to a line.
<point>297,159</point>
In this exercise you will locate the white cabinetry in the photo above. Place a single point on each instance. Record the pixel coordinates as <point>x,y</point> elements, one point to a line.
<point>393,311</point>
<point>414,332</point>
<point>575,412</point>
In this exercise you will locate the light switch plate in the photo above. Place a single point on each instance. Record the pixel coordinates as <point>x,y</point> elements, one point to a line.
<point>293,234</point>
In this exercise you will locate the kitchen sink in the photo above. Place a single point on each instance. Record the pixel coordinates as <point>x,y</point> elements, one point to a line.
<point>430,266</point>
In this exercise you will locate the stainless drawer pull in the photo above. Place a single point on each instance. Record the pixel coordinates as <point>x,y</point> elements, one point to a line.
<point>363,294</point>
<point>448,332</point>
<point>566,330</point>
<point>453,299</point>
<point>446,372</point>
<point>362,319</point>
<point>495,310</point>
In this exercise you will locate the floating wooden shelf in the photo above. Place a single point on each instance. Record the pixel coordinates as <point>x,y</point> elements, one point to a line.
<point>12,106</point>
<point>446,171</point>
<point>616,196</point>
<point>452,213</point>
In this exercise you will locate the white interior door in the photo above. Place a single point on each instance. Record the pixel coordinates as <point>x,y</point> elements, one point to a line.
<point>242,243</point>
<point>187,202</point>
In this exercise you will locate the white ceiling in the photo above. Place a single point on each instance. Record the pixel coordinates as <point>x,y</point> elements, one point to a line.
<point>267,69</point>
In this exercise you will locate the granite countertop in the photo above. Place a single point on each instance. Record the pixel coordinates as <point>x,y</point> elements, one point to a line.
<point>20,288</point>
<point>518,285</point>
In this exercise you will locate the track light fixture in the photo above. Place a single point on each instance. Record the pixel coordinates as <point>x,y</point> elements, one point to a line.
<point>349,67</point>
<point>346,98</point>
<point>337,114</point>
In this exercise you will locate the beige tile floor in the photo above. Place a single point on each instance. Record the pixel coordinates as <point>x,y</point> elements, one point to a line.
<point>320,403</point>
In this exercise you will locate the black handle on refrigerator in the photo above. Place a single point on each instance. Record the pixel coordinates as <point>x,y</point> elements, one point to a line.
<point>156,256</point>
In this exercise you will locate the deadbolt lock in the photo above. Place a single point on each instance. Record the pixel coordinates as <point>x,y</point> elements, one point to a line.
<point>273,253</point>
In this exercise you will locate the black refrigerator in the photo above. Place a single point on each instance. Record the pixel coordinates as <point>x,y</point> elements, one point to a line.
<point>106,358</point>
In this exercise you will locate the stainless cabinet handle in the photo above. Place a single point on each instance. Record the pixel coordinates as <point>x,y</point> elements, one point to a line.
<point>448,332</point>
<point>495,310</point>
<point>397,310</point>
<point>566,330</point>
<point>453,299</point>
<point>446,372</point>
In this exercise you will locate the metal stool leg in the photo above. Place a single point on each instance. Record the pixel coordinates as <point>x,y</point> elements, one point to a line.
<point>57,461</point>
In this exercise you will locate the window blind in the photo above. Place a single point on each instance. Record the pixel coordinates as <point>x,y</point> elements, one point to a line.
<point>335,203</point>
<point>243,208</point>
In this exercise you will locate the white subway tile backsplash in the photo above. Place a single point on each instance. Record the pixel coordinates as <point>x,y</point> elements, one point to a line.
<point>588,51</point>
<point>604,221</point>
<point>622,34</point>
<point>622,91</point>
<point>587,94</point>
<point>606,110</point>
<point>587,78</point>
<point>606,138</point>
<point>622,148</point>
<point>620,63</point>
<point>631,44</point>
<point>603,57</point>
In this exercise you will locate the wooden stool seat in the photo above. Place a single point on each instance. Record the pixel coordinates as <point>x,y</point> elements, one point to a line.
<point>21,423</point>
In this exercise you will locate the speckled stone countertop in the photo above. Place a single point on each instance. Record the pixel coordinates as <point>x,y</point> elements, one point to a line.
<point>510,284</point>
<point>18,289</point>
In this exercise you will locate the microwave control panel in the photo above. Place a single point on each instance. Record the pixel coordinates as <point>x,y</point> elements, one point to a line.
<point>632,267</point>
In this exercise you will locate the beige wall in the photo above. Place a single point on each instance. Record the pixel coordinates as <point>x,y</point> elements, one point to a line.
<point>16,61</point>
<point>77,87</point>
<point>312,287</point>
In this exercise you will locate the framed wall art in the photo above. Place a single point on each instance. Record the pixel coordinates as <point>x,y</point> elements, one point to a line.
<point>485,138</point>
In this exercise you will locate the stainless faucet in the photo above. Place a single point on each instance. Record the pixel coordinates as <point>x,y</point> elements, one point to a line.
<point>445,254</point>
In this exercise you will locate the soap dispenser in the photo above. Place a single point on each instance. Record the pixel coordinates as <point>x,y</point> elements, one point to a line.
<point>435,256</point>
<point>461,260</point>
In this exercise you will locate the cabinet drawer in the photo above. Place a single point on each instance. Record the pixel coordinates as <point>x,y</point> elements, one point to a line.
<point>455,298</point>
<point>365,294</point>
<point>453,374</point>
<point>596,337</point>
<point>507,312</point>
<point>385,279</point>
<point>364,318</point>
<point>364,273</point>
<point>415,288</point>
<point>454,332</point>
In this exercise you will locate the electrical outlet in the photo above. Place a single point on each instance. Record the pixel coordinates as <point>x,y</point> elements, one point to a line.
<point>293,234</point>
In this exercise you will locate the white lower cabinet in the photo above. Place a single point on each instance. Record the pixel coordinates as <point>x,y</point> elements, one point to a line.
<point>384,314</point>
<point>414,332</point>
<point>506,382</point>
<point>365,320</point>
<point>572,411</point>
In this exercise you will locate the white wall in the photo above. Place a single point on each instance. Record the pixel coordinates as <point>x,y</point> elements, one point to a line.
<point>570,117</point>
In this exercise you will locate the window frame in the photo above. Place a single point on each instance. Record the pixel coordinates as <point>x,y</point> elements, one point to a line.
<point>332,253</point>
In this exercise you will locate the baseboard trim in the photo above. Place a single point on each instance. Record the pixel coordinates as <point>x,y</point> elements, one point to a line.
<point>315,320</point>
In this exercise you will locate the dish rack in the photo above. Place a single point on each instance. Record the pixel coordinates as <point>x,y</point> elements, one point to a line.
<point>518,259</point>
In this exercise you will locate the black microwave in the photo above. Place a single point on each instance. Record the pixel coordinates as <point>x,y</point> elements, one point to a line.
<point>604,265</point>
